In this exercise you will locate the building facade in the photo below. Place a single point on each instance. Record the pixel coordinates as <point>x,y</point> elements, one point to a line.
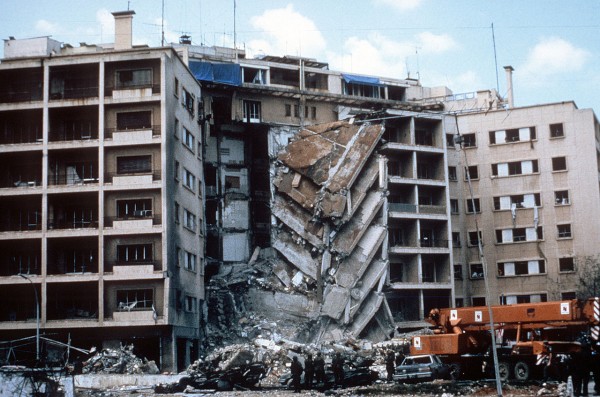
<point>536,201</point>
<point>101,196</point>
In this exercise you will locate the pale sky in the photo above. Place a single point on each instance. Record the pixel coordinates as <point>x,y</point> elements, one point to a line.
<point>554,46</point>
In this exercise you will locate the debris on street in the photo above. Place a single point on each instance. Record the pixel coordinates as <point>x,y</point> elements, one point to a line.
<point>121,361</point>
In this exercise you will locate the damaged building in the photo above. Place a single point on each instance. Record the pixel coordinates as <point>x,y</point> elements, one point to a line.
<point>373,237</point>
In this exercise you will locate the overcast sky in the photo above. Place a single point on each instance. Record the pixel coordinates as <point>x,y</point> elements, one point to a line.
<point>554,46</point>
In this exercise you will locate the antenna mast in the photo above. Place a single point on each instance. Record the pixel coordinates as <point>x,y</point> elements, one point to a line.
<point>495,59</point>
<point>162,25</point>
<point>234,31</point>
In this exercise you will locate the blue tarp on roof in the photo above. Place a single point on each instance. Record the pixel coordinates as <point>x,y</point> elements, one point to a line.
<point>225,73</point>
<point>356,79</point>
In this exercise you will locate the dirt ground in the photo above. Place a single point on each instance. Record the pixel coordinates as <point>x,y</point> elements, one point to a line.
<point>427,389</point>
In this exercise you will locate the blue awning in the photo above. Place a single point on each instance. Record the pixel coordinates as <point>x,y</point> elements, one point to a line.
<point>356,79</point>
<point>225,73</point>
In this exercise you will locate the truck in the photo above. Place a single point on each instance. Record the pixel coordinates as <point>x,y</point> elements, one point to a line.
<point>526,335</point>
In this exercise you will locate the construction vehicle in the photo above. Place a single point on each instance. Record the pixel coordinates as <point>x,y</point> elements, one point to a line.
<point>526,335</point>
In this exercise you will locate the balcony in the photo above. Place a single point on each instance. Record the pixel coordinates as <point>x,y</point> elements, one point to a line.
<point>74,82</point>
<point>433,243</point>
<point>22,85</point>
<point>139,219</point>
<point>133,135</point>
<point>20,214</point>
<point>20,257</point>
<point>73,124</point>
<point>21,127</point>
<point>133,268</point>
<point>81,303</point>
<point>134,179</point>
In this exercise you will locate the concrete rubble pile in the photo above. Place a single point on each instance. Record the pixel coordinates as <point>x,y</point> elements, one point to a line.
<point>121,361</point>
<point>330,189</point>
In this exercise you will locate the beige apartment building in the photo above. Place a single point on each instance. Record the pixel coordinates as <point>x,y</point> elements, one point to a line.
<point>101,197</point>
<point>536,201</point>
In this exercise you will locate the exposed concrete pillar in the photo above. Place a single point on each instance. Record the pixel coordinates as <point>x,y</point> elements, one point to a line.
<point>509,86</point>
<point>123,23</point>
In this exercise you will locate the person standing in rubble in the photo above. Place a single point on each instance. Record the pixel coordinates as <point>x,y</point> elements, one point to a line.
<point>390,365</point>
<point>337,365</point>
<point>309,370</point>
<point>296,374</point>
<point>319,365</point>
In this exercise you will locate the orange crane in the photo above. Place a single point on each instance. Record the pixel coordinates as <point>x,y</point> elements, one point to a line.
<point>526,334</point>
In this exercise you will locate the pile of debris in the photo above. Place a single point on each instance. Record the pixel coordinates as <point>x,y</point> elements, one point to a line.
<point>121,361</point>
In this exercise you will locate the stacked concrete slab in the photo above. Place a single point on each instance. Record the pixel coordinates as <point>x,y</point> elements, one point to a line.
<point>330,209</point>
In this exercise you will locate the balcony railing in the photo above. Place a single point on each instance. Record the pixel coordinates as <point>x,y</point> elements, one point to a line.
<point>110,89</point>
<point>62,136</point>
<point>23,92</point>
<point>21,227</point>
<point>156,174</point>
<point>402,207</point>
<point>70,179</point>
<point>108,132</point>
<point>432,209</point>
<point>434,243</point>
<point>31,136</point>
<point>156,264</point>
<point>84,91</point>
<point>144,215</point>
<point>73,224</point>
<point>23,182</point>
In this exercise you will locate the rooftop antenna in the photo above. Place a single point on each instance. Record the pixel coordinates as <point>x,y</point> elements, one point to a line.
<point>418,72</point>
<point>162,25</point>
<point>234,31</point>
<point>128,2</point>
<point>495,58</point>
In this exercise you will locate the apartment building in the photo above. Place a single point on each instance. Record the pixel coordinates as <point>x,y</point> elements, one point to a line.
<point>254,107</point>
<point>101,196</point>
<point>535,202</point>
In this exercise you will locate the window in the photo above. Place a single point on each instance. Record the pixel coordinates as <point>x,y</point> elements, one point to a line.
<point>140,208</point>
<point>176,212</point>
<point>454,206</point>
<point>519,235</point>
<point>190,304</point>
<point>364,90</point>
<point>478,301</point>
<point>472,172</point>
<point>135,299</point>
<point>296,111</point>
<point>189,220</point>
<point>566,264</point>
<point>458,269</point>
<point>176,170</point>
<point>251,112</point>
<point>450,141</point>
<point>176,129</point>
<point>556,130</point>
<point>531,298</point>
<point>452,174</point>
<point>521,268</point>
<point>189,180</point>
<point>288,110</point>
<point>176,88</point>
<point>518,201</point>
<point>232,182</point>
<point>136,253</point>
<point>424,171</point>
<point>564,231</point>
<point>313,112</point>
<point>188,139</point>
<point>134,164</point>
<point>567,296</point>
<point>254,76</point>
<point>456,239</point>
<point>512,135</point>
<point>133,78</point>
<point>134,120</point>
<point>476,271</point>
<point>188,101</point>
<point>473,238</point>
<point>559,164</point>
<point>515,168</point>
<point>177,256</point>
<point>459,302</point>
<point>189,261</point>
<point>470,204</point>
<point>469,140</point>
<point>561,197</point>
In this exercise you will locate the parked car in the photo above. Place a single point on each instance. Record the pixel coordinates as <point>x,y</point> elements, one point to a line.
<point>425,367</point>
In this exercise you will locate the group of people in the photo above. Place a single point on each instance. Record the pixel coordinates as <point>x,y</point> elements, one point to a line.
<point>314,370</point>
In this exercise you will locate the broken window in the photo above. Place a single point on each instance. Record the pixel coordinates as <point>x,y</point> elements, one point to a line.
<point>564,231</point>
<point>232,182</point>
<point>469,140</point>
<point>561,197</point>
<point>81,260</point>
<point>135,299</point>
<point>458,272</point>
<point>522,268</point>
<point>476,271</point>
<point>138,208</point>
<point>456,240</point>
<point>473,238</point>
<point>188,101</point>
<point>472,172</point>
<point>134,164</point>
<point>189,220</point>
<point>452,175</point>
<point>81,172</point>
<point>133,78</point>
<point>135,253</point>
<point>251,112</point>
<point>518,201</point>
<point>396,272</point>
<point>556,130</point>
<point>254,76</point>
<point>134,120</point>
<point>471,203</point>
<point>559,164</point>
<point>189,261</point>
<point>566,264</point>
<point>454,208</point>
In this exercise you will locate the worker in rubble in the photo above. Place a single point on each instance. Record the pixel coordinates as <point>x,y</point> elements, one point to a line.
<point>309,371</point>
<point>319,366</point>
<point>297,370</point>
<point>390,365</point>
<point>337,365</point>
